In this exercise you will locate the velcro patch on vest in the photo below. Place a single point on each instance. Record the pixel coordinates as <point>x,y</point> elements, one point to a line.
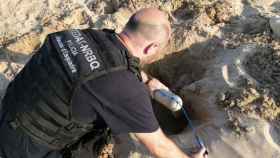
<point>79,54</point>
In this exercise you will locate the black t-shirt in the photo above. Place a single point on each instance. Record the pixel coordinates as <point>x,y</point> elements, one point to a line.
<point>119,99</point>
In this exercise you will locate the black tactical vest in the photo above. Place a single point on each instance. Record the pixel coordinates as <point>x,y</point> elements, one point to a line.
<point>39,98</point>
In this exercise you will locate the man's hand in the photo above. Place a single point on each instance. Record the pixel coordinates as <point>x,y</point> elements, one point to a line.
<point>152,83</point>
<point>155,84</point>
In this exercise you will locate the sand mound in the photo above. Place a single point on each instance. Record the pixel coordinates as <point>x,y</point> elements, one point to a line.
<point>264,66</point>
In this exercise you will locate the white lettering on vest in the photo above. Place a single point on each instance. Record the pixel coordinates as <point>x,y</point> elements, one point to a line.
<point>94,65</point>
<point>86,50</point>
<point>65,54</point>
<point>72,48</point>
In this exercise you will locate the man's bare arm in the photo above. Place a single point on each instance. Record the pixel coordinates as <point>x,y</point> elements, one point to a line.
<point>163,147</point>
<point>160,145</point>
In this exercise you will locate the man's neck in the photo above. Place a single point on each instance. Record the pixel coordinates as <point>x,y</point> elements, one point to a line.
<point>126,41</point>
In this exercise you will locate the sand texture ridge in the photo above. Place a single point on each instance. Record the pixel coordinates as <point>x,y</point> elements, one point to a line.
<point>223,60</point>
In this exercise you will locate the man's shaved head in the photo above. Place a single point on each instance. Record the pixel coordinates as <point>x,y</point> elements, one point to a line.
<point>146,34</point>
<point>150,23</point>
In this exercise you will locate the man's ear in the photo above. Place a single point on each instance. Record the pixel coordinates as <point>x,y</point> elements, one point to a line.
<point>151,49</point>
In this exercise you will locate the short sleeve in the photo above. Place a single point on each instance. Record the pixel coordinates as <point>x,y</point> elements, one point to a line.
<point>123,102</point>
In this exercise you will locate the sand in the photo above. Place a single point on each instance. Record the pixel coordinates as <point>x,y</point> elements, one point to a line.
<point>223,60</point>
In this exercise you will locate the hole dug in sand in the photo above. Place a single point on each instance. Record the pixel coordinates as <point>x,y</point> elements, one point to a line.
<point>176,71</point>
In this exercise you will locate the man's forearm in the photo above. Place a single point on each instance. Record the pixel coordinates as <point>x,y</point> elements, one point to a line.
<point>168,149</point>
<point>160,145</point>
